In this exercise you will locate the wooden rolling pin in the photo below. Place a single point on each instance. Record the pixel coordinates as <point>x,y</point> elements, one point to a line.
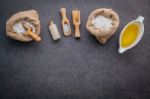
<point>76,22</point>
<point>30,33</point>
<point>65,22</point>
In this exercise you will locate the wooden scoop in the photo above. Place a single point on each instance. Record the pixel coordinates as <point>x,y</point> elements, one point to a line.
<point>76,22</point>
<point>65,22</point>
<point>30,33</point>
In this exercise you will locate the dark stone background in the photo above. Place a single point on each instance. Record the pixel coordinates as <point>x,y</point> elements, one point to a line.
<point>70,68</point>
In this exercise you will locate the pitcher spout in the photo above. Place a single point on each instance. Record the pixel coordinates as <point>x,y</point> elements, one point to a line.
<point>122,50</point>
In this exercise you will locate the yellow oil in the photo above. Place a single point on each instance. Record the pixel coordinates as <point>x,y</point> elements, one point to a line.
<point>129,35</point>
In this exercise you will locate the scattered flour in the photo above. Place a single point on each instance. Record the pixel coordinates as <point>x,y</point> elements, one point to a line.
<point>102,22</point>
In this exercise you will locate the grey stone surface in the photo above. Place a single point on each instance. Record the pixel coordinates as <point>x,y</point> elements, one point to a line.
<point>70,68</point>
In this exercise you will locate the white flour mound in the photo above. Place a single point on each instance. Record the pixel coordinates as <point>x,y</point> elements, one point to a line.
<point>18,27</point>
<point>102,22</point>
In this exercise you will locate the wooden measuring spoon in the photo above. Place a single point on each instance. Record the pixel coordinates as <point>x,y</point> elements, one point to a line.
<point>30,33</point>
<point>76,22</point>
<point>65,22</point>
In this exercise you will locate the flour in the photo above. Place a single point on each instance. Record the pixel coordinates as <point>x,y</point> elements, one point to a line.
<point>66,28</point>
<point>102,22</point>
<point>18,27</point>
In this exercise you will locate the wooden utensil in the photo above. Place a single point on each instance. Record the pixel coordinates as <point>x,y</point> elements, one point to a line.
<point>30,33</point>
<point>65,22</point>
<point>76,22</point>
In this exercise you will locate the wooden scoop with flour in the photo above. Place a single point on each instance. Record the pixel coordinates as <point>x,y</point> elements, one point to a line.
<point>65,22</point>
<point>30,33</point>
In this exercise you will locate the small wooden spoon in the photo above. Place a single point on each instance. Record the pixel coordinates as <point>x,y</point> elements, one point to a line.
<point>65,22</point>
<point>76,22</point>
<point>30,33</point>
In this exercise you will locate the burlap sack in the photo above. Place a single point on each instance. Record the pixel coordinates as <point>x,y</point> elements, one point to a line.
<point>103,35</point>
<point>29,16</point>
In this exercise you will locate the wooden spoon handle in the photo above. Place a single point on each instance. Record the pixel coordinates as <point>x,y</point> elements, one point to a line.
<point>34,36</point>
<point>77,31</point>
<point>63,13</point>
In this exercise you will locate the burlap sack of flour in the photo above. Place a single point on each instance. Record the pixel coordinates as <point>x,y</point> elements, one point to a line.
<point>102,34</point>
<point>28,16</point>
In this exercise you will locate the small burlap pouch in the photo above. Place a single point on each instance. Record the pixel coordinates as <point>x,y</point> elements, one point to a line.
<point>28,16</point>
<point>103,35</point>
